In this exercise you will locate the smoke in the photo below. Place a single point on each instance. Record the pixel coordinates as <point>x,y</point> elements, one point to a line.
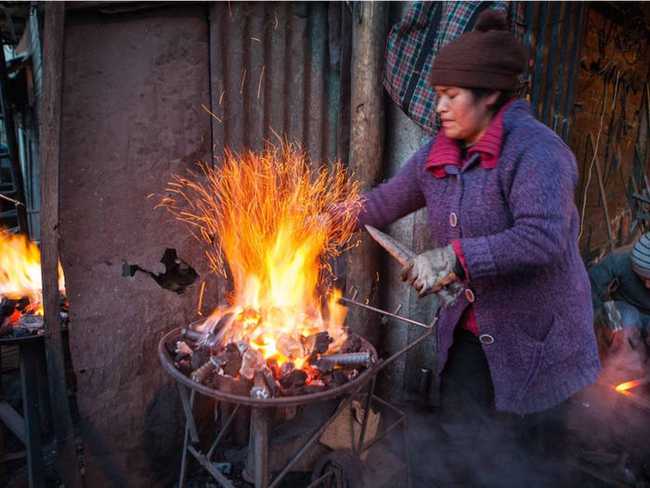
<point>499,450</point>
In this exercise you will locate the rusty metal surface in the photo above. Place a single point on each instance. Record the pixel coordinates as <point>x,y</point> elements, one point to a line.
<point>275,70</point>
<point>131,117</point>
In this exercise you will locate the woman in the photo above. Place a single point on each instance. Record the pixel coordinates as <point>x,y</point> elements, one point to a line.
<point>498,186</point>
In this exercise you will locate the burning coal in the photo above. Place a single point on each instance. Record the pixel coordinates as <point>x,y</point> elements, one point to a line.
<point>20,281</point>
<point>272,221</point>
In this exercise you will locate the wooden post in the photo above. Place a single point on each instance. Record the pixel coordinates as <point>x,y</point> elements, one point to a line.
<point>50,132</point>
<point>370,22</point>
<point>12,145</point>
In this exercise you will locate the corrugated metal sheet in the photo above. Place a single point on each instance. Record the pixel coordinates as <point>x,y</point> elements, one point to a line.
<point>553,33</point>
<point>280,69</point>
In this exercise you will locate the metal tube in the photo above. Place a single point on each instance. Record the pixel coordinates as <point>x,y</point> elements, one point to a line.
<point>349,359</point>
<point>260,429</point>
<point>187,408</point>
<point>223,431</point>
<point>210,468</point>
<point>344,300</point>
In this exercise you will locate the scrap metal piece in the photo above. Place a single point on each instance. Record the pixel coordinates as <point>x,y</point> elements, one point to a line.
<point>201,374</point>
<point>350,359</point>
<point>395,248</point>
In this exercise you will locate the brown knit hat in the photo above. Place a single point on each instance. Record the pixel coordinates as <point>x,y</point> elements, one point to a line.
<point>487,57</point>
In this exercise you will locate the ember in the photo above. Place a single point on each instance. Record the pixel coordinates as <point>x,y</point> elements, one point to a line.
<point>21,308</point>
<point>273,221</point>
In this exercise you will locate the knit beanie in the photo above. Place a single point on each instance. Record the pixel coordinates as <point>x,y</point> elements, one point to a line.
<point>488,57</point>
<point>641,256</point>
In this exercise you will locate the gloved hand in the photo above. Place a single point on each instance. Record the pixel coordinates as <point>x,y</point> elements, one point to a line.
<point>432,270</point>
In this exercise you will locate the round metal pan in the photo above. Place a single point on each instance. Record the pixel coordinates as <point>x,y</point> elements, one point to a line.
<point>354,385</point>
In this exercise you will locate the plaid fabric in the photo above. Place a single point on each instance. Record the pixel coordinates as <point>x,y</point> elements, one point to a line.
<point>413,43</point>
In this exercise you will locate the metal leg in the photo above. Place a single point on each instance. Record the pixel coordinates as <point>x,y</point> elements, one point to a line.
<point>260,428</point>
<point>186,441</point>
<point>29,360</point>
<point>190,428</point>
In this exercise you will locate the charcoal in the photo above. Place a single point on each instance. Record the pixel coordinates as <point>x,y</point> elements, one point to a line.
<point>352,344</point>
<point>199,358</point>
<point>184,366</point>
<point>252,361</point>
<point>274,367</point>
<point>231,360</point>
<point>271,383</point>
<point>323,366</point>
<point>289,346</point>
<point>171,348</point>
<point>241,346</point>
<point>352,374</point>
<point>7,307</point>
<point>317,343</point>
<point>295,379</point>
<point>338,378</point>
<point>286,369</point>
<point>182,349</point>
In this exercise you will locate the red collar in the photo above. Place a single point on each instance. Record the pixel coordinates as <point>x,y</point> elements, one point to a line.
<point>446,151</point>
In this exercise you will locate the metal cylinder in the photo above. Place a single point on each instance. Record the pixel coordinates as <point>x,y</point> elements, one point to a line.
<point>349,359</point>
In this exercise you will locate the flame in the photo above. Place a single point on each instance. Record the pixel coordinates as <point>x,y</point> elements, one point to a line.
<point>628,385</point>
<point>20,270</point>
<point>273,220</point>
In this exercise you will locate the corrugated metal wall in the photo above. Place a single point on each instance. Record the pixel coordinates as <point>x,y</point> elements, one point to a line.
<point>280,69</point>
<point>554,33</point>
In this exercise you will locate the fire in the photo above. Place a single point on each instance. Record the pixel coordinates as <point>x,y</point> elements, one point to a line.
<point>20,270</point>
<point>628,385</point>
<point>273,220</point>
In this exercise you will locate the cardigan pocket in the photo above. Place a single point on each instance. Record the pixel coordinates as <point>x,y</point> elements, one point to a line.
<point>533,348</point>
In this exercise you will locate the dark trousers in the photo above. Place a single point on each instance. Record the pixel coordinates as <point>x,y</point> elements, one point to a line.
<point>490,448</point>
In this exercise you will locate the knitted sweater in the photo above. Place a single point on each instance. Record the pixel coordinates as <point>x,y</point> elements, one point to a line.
<point>518,226</point>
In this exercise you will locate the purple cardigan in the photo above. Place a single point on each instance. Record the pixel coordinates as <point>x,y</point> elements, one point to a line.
<point>518,228</point>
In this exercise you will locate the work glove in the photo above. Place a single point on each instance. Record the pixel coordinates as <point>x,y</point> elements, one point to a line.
<point>432,271</point>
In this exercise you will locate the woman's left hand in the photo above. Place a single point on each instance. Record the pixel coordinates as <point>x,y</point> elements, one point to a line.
<point>431,271</point>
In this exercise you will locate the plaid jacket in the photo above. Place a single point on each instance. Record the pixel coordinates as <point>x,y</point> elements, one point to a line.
<point>413,44</point>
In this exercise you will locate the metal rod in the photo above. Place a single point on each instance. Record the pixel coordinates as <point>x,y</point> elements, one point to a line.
<point>366,414</point>
<point>186,440</point>
<point>315,436</point>
<point>223,431</point>
<point>344,300</point>
<point>260,428</point>
<point>382,436</point>
<point>187,403</point>
<point>205,462</point>
<point>319,480</point>
<point>382,364</point>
